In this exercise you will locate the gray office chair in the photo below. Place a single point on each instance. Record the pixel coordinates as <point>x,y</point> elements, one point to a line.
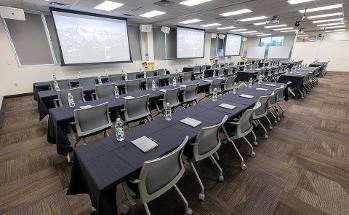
<point>105,91</point>
<point>171,97</point>
<point>136,109</point>
<point>229,84</point>
<point>262,112</point>
<point>87,83</point>
<point>90,121</point>
<point>157,177</point>
<point>132,86</point>
<point>62,84</point>
<point>240,129</point>
<point>221,72</point>
<point>172,76</point>
<point>62,100</point>
<point>187,76</point>
<point>230,71</point>
<point>190,95</point>
<point>216,83</point>
<point>132,75</point>
<point>149,82</point>
<point>272,106</point>
<point>206,144</point>
<point>161,72</point>
<point>280,97</point>
<point>115,77</point>
<point>203,68</point>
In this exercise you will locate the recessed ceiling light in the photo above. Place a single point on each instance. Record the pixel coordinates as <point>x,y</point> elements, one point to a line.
<point>282,29</point>
<point>333,27</point>
<point>239,30</point>
<point>260,23</point>
<point>152,14</point>
<point>190,21</point>
<point>237,12</point>
<point>263,35</point>
<point>253,18</point>
<point>248,32</point>
<point>337,30</point>
<point>325,15</point>
<point>298,1</point>
<point>224,28</point>
<point>329,7</point>
<point>275,26</point>
<point>210,25</point>
<point>288,31</point>
<point>328,20</point>
<point>330,24</point>
<point>108,6</point>
<point>193,2</point>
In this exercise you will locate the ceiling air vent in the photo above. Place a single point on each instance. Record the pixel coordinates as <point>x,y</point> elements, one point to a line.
<point>164,3</point>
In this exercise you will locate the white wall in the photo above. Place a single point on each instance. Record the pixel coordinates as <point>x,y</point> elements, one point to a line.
<point>333,47</point>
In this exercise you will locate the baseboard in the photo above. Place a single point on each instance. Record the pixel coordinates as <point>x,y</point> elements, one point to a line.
<point>1,98</point>
<point>18,95</point>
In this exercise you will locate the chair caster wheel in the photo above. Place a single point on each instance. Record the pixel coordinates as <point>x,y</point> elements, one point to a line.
<point>125,209</point>
<point>221,178</point>
<point>189,211</point>
<point>253,155</point>
<point>276,122</point>
<point>243,166</point>
<point>270,127</point>
<point>201,196</point>
<point>279,119</point>
<point>266,136</point>
<point>255,143</point>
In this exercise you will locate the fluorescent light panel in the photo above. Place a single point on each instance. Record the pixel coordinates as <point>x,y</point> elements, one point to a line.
<point>237,12</point>
<point>210,25</point>
<point>288,31</point>
<point>275,26</point>
<point>328,20</point>
<point>193,2</point>
<point>333,27</point>
<point>190,21</point>
<point>325,15</point>
<point>152,14</point>
<point>248,32</point>
<point>330,24</point>
<point>298,1</point>
<point>239,30</point>
<point>253,18</point>
<point>329,7</point>
<point>224,28</point>
<point>108,6</point>
<point>282,29</point>
<point>260,23</point>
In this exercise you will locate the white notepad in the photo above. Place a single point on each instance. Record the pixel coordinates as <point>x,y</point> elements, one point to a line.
<point>163,90</point>
<point>183,86</point>
<point>128,97</point>
<point>227,106</point>
<point>144,143</point>
<point>85,107</point>
<point>246,96</point>
<point>261,89</point>
<point>208,80</point>
<point>271,85</point>
<point>191,122</point>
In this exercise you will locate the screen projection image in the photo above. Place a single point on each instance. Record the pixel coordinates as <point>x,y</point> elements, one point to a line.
<point>232,45</point>
<point>190,43</point>
<point>91,39</point>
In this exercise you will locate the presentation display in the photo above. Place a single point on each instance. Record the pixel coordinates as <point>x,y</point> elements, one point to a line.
<point>232,45</point>
<point>91,39</point>
<point>190,43</point>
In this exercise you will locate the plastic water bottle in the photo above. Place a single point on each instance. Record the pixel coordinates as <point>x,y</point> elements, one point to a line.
<point>168,112</point>
<point>55,83</point>
<point>99,80</point>
<point>153,85</point>
<point>234,88</point>
<point>215,94</point>
<point>260,78</point>
<point>79,74</point>
<point>250,83</point>
<point>123,74</point>
<point>174,82</point>
<point>214,73</point>
<point>145,74</point>
<point>119,130</point>
<point>116,92</point>
<point>71,102</point>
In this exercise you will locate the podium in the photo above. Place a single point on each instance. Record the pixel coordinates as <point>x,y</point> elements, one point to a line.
<point>148,66</point>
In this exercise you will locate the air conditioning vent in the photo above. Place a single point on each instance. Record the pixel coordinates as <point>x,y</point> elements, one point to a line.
<point>164,3</point>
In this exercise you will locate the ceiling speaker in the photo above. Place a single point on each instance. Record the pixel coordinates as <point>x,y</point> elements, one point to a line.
<point>145,28</point>
<point>165,29</point>
<point>12,13</point>
<point>221,36</point>
<point>213,36</point>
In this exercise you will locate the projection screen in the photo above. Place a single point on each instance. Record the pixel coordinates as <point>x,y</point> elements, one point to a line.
<point>190,43</point>
<point>88,38</point>
<point>232,45</point>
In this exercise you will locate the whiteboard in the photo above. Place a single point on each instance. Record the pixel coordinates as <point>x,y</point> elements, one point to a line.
<point>256,52</point>
<point>280,52</point>
<point>232,45</point>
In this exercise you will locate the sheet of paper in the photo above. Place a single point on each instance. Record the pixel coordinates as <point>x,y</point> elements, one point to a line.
<point>144,143</point>
<point>128,97</point>
<point>85,107</point>
<point>227,106</point>
<point>246,96</point>
<point>261,89</point>
<point>163,90</point>
<point>191,122</point>
<point>271,85</point>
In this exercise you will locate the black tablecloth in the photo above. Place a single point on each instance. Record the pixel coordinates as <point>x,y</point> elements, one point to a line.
<point>297,77</point>
<point>246,75</point>
<point>101,165</point>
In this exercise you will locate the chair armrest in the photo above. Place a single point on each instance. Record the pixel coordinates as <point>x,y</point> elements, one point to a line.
<point>123,110</point>
<point>232,123</point>
<point>93,96</point>
<point>56,103</point>
<point>134,180</point>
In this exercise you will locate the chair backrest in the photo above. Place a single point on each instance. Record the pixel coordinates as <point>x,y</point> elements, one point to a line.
<point>229,83</point>
<point>174,76</point>
<point>62,84</point>
<point>132,86</point>
<point>171,97</point>
<point>87,83</point>
<point>263,109</point>
<point>209,73</point>
<point>221,72</point>
<point>245,125</point>
<point>92,120</point>
<point>190,93</point>
<point>197,69</point>
<point>161,72</point>
<point>105,91</point>
<point>280,94</point>
<point>115,77</point>
<point>187,76</point>
<point>230,71</point>
<point>77,93</point>
<point>159,175</point>
<point>203,68</point>
<point>149,82</point>
<point>214,66</point>
<point>207,141</point>
<point>132,75</point>
<point>136,108</point>
<point>216,83</point>
<point>272,100</point>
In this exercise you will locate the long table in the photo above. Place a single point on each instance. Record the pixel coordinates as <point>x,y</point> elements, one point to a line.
<point>100,166</point>
<point>297,77</point>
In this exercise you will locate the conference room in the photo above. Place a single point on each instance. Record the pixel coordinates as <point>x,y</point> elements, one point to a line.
<point>174,107</point>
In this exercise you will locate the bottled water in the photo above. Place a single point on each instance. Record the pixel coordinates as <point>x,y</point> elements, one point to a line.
<point>174,82</point>
<point>55,83</point>
<point>116,92</point>
<point>153,85</point>
<point>215,94</point>
<point>260,78</point>
<point>168,112</point>
<point>119,130</point>
<point>214,73</point>
<point>250,82</point>
<point>123,74</point>
<point>71,102</point>
<point>79,74</point>
<point>145,74</point>
<point>234,88</point>
<point>99,80</point>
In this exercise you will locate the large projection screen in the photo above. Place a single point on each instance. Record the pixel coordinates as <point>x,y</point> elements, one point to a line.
<point>190,43</point>
<point>88,38</point>
<point>232,45</point>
